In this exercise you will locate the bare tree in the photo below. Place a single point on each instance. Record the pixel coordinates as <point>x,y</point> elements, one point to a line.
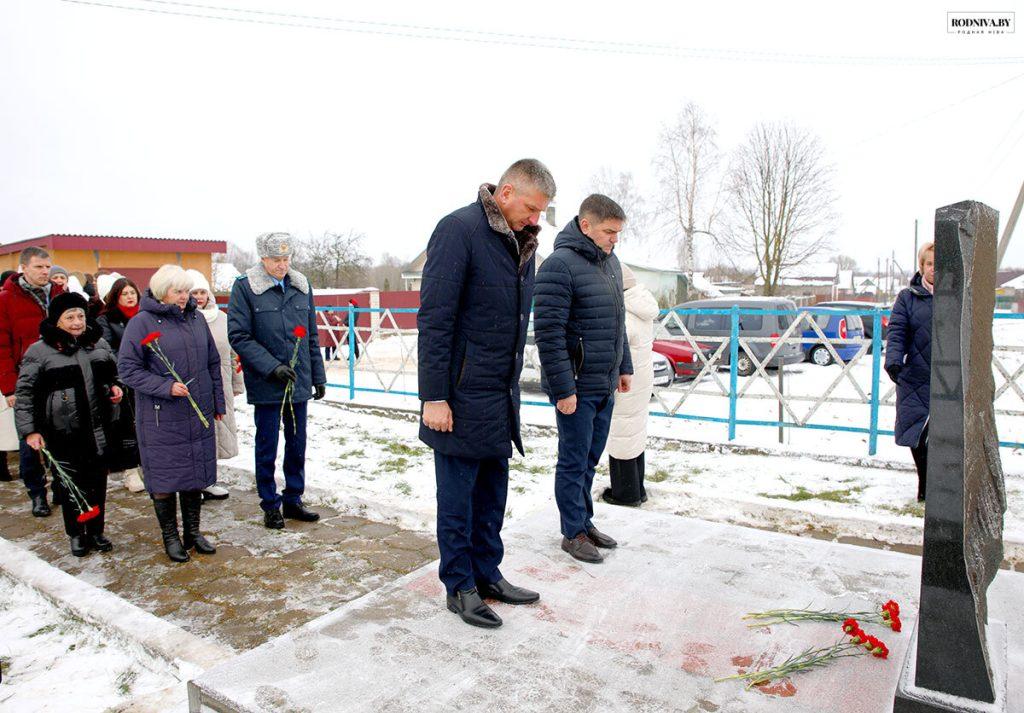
<point>386,274</point>
<point>333,259</point>
<point>782,199</point>
<point>686,164</point>
<point>621,188</point>
<point>844,262</point>
<point>241,258</point>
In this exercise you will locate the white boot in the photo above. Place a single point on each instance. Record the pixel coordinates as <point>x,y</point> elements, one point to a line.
<point>133,480</point>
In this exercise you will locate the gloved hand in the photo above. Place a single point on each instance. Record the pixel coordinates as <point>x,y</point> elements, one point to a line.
<point>318,391</point>
<point>893,370</point>
<point>284,373</point>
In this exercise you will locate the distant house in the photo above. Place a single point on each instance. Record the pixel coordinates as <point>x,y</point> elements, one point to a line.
<point>134,257</point>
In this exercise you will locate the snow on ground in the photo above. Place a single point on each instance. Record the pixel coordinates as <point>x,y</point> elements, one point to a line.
<point>52,661</point>
<point>370,462</point>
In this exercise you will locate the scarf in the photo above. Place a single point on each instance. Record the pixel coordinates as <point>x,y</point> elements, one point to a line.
<point>210,311</point>
<point>927,285</point>
<point>40,294</point>
<point>128,312</point>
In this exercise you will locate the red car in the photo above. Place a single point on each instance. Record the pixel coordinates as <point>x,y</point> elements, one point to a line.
<point>685,362</point>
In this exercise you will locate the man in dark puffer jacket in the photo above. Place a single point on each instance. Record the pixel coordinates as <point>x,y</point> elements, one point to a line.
<point>474,311</point>
<point>580,328</point>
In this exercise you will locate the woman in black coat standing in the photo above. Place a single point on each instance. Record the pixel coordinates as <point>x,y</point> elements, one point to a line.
<point>908,361</point>
<point>120,304</point>
<point>67,402</point>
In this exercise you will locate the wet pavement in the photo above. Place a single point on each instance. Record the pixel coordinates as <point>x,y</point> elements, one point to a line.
<point>260,584</point>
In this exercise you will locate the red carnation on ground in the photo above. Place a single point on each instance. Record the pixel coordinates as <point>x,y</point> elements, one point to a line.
<point>89,514</point>
<point>299,332</point>
<point>850,626</point>
<point>892,607</point>
<point>151,337</point>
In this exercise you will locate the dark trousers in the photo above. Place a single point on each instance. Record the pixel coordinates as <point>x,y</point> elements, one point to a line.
<point>30,467</point>
<point>581,440</point>
<point>471,497</point>
<point>920,454</point>
<point>93,484</point>
<point>627,478</point>
<point>268,424</point>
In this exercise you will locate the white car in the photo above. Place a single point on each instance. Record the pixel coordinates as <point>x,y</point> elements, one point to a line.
<point>663,375</point>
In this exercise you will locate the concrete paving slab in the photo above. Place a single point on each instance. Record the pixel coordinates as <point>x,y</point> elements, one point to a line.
<point>648,630</point>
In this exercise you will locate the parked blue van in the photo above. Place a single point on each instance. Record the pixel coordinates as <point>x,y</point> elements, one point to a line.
<point>834,325</point>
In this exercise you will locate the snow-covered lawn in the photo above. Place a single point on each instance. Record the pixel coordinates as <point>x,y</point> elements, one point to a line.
<point>370,462</point>
<point>54,662</point>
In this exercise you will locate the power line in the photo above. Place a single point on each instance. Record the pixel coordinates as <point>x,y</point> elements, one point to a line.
<point>428,32</point>
<point>947,107</point>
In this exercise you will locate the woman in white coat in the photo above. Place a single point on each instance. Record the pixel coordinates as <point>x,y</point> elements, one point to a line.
<point>227,437</point>
<point>627,438</point>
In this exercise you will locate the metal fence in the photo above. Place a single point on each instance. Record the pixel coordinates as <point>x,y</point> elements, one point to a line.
<point>386,354</point>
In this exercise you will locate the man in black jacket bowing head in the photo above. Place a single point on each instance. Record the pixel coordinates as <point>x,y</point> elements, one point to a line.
<point>580,327</point>
<point>474,311</point>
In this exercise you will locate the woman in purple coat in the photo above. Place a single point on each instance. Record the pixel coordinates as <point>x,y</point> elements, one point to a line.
<point>178,450</point>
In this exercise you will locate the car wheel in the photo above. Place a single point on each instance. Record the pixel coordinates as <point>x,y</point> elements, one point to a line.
<point>821,356</point>
<point>744,365</point>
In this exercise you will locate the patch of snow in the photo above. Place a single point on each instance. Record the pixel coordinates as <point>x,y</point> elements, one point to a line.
<point>52,661</point>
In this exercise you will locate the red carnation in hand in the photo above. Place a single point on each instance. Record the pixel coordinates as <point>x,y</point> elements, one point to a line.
<point>89,514</point>
<point>299,332</point>
<point>151,337</point>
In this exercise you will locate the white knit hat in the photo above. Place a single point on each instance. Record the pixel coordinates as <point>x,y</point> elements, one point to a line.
<point>199,281</point>
<point>105,282</point>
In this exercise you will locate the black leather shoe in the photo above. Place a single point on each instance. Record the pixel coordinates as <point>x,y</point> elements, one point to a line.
<point>298,512</point>
<point>40,508</point>
<point>79,546</point>
<point>100,543</point>
<point>600,539</point>
<point>273,519</point>
<point>472,610</point>
<point>582,549</point>
<point>507,593</point>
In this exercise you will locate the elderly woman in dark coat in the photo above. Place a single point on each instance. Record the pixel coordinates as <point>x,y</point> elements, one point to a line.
<point>67,396</point>
<point>908,361</point>
<point>179,452</point>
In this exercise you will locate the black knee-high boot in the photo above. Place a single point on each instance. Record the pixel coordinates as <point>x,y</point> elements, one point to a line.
<point>191,509</point>
<point>167,514</point>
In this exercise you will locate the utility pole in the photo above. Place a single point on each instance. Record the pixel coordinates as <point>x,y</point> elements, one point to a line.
<point>914,261</point>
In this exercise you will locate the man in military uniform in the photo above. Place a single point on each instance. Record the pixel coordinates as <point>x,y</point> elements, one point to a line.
<point>271,306</point>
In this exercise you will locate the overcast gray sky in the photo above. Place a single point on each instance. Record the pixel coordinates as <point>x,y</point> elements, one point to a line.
<point>125,122</point>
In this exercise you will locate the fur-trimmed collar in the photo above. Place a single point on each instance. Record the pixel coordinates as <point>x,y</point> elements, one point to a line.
<point>525,240</point>
<point>260,281</point>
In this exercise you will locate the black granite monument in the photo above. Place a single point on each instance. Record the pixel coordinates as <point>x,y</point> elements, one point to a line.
<point>955,658</point>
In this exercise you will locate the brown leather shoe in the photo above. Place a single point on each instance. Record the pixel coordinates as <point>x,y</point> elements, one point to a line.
<point>581,548</point>
<point>600,539</point>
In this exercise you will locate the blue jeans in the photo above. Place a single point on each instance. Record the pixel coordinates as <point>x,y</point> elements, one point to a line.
<point>581,440</point>
<point>471,497</point>
<point>30,467</point>
<point>268,422</point>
